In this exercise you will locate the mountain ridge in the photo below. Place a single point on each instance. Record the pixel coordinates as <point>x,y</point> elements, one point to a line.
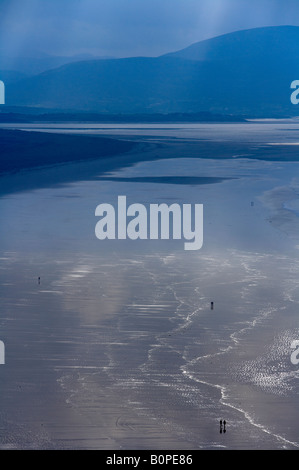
<point>215,46</point>
<point>253,83</point>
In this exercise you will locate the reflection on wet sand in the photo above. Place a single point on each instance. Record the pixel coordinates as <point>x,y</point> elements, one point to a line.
<point>140,345</point>
<point>142,359</point>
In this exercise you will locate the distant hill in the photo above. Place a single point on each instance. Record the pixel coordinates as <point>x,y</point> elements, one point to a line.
<point>11,76</point>
<point>273,42</point>
<point>243,73</point>
<point>29,115</point>
<point>40,63</point>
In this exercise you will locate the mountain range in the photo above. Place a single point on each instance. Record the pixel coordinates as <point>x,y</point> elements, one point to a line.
<point>246,73</point>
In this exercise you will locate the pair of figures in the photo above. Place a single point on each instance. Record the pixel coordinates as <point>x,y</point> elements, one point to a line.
<point>222,426</point>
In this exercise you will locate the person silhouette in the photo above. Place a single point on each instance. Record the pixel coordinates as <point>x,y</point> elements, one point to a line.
<point>224,426</point>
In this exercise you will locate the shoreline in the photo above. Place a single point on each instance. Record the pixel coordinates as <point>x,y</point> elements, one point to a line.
<point>62,162</point>
<point>118,345</point>
<point>40,150</point>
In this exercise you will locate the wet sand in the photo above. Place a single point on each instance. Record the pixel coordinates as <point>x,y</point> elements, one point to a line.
<point>143,363</point>
<point>45,158</point>
<point>117,347</point>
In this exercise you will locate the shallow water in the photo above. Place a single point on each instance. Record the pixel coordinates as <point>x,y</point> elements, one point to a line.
<point>271,131</point>
<point>117,347</point>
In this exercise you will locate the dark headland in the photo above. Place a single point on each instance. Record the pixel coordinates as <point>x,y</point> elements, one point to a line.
<point>26,150</point>
<point>23,150</point>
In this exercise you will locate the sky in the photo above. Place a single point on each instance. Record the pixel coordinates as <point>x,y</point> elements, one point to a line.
<point>127,28</point>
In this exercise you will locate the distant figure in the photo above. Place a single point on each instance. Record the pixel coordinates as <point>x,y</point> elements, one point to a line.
<point>212,305</point>
<point>252,203</point>
<point>38,280</point>
<point>222,426</point>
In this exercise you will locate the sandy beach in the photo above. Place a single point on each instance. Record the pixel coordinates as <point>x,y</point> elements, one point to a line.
<point>117,346</point>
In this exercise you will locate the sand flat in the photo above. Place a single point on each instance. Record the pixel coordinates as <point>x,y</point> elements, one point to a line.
<point>117,347</point>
